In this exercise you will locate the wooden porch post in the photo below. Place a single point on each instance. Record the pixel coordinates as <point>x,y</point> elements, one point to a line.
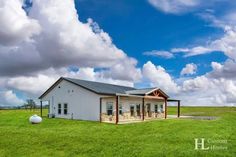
<point>178,108</point>
<point>117,109</point>
<point>41,108</point>
<point>165,108</point>
<point>100,114</point>
<point>143,109</point>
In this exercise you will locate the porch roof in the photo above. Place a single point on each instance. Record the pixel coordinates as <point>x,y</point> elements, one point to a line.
<point>140,96</point>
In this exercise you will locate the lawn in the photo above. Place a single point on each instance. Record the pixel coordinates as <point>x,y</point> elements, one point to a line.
<point>159,138</point>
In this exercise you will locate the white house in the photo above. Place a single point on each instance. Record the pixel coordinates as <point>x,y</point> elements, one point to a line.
<point>86,100</point>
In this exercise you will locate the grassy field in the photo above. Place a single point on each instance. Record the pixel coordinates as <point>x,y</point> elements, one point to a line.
<point>160,138</point>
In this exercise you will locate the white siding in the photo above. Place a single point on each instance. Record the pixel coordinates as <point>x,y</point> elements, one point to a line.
<point>82,104</point>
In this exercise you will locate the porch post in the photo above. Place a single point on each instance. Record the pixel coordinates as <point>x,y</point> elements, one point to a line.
<point>117,109</point>
<point>178,108</point>
<point>143,109</point>
<point>41,108</point>
<point>100,114</point>
<point>165,108</point>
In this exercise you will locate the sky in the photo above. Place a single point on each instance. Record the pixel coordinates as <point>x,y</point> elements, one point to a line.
<point>185,47</point>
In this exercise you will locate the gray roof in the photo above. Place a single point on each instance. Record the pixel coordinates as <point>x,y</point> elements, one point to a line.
<point>103,88</point>
<point>100,88</point>
<point>140,91</point>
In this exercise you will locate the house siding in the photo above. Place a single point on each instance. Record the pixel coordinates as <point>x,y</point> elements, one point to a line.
<point>82,103</point>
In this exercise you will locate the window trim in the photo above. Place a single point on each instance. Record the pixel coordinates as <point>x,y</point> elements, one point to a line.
<point>120,109</point>
<point>138,109</point>
<point>161,108</point>
<point>109,109</point>
<point>156,108</point>
<point>59,108</point>
<point>65,108</point>
<point>132,106</point>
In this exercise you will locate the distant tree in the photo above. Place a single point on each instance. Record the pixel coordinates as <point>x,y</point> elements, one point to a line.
<point>30,104</point>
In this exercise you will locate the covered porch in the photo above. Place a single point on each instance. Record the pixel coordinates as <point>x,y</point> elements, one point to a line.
<point>127,108</point>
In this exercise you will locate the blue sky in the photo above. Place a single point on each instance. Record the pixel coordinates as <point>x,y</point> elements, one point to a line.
<point>186,48</point>
<point>136,27</point>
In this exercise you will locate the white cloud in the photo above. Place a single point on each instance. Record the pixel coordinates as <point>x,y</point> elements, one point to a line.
<point>164,54</point>
<point>193,51</point>
<point>65,41</point>
<point>159,77</point>
<point>189,69</point>
<point>225,44</point>
<point>9,98</point>
<point>15,25</point>
<point>54,39</point>
<point>216,88</point>
<point>36,84</point>
<point>208,92</point>
<point>176,6</point>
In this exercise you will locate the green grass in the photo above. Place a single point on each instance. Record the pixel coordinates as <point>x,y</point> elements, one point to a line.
<point>160,138</point>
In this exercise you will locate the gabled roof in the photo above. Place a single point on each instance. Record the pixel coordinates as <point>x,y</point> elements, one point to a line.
<point>96,87</point>
<point>145,91</point>
<point>104,88</point>
<point>142,91</point>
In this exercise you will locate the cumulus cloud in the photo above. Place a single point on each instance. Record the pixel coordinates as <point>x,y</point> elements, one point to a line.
<point>36,84</point>
<point>163,54</point>
<point>15,25</point>
<point>37,48</point>
<point>189,69</point>
<point>9,98</point>
<point>208,92</point>
<point>64,41</point>
<point>226,70</point>
<point>158,77</point>
<point>215,88</point>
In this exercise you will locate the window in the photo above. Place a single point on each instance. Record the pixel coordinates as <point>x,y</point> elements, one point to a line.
<point>149,110</point>
<point>131,110</point>
<point>120,110</point>
<point>109,108</point>
<point>59,108</point>
<point>156,108</point>
<point>138,110</point>
<point>161,108</point>
<point>65,108</point>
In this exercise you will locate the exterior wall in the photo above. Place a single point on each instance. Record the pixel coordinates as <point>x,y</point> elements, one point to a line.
<point>82,104</point>
<point>154,115</point>
<point>126,102</point>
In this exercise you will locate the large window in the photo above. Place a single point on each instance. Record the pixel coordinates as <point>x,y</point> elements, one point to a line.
<point>149,109</point>
<point>131,110</point>
<point>120,110</point>
<point>59,108</point>
<point>65,108</point>
<point>138,110</point>
<point>109,108</point>
<point>160,108</point>
<point>156,108</point>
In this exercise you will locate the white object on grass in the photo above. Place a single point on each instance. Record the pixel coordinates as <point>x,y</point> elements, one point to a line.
<point>35,119</point>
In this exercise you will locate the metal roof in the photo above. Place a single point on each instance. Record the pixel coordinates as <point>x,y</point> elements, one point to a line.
<point>100,88</point>
<point>103,88</point>
<point>140,91</point>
